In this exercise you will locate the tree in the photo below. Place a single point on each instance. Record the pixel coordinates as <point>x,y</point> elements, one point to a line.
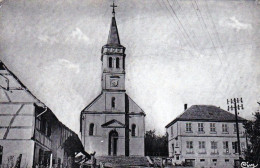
<point>155,145</point>
<point>252,154</point>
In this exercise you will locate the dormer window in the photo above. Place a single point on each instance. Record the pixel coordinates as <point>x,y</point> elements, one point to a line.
<point>117,62</point>
<point>110,62</point>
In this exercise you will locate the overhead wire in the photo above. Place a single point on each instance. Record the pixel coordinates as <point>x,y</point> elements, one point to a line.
<point>181,25</point>
<point>179,32</point>
<point>206,28</point>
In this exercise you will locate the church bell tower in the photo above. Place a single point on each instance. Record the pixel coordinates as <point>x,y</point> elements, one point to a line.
<point>113,60</point>
<point>113,124</point>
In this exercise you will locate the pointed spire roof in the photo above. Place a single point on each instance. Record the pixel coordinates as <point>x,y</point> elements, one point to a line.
<point>113,37</point>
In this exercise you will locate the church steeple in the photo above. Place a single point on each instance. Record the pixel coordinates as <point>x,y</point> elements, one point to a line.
<point>113,37</point>
<point>113,60</point>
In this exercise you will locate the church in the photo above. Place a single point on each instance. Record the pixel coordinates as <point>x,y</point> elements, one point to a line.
<point>113,124</point>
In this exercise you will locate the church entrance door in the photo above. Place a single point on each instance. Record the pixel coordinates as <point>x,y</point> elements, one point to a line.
<point>112,146</point>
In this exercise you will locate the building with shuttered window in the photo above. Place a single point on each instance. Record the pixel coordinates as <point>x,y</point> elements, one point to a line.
<point>205,136</point>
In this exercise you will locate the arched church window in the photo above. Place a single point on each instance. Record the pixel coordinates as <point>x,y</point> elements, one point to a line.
<point>91,129</point>
<point>113,102</point>
<point>117,62</point>
<point>110,62</point>
<point>133,130</point>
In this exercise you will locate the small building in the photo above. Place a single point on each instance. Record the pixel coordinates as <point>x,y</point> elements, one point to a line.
<point>205,136</point>
<point>30,134</point>
<point>113,124</point>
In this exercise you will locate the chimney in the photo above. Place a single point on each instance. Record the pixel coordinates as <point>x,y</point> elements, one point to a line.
<point>185,106</point>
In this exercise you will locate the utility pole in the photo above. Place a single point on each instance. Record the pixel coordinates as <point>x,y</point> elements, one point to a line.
<point>236,104</point>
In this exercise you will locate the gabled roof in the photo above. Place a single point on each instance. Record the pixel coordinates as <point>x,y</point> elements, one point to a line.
<point>99,103</point>
<point>12,89</point>
<point>93,102</point>
<point>205,113</point>
<point>113,124</point>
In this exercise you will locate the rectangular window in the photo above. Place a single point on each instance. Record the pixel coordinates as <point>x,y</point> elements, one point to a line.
<point>173,148</point>
<point>200,127</point>
<point>225,147</point>
<point>202,160</point>
<point>235,147</point>
<point>171,131</point>
<point>224,128</point>
<point>214,161</point>
<point>201,144</point>
<point>202,148</point>
<point>188,127</point>
<point>212,127</point>
<point>225,144</point>
<point>190,162</point>
<point>226,160</point>
<point>189,145</point>
<point>1,154</point>
<point>214,145</point>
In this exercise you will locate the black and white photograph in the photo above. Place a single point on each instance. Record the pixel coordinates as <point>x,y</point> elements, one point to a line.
<point>129,83</point>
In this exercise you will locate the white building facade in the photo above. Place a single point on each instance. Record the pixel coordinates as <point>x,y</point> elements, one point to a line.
<point>205,136</point>
<point>113,124</point>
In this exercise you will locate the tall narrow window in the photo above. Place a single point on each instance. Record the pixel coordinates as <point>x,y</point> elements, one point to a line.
<point>202,148</point>
<point>214,147</point>
<point>200,127</point>
<point>113,103</point>
<point>173,148</point>
<point>1,154</point>
<point>189,146</point>
<point>117,62</point>
<point>224,128</point>
<point>212,127</point>
<point>110,62</point>
<point>133,130</point>
<point>188,127</point>
<point>171,131</point>
<point>91,129</point>
<point>235,147</point>
<point>201,144</point>
<point>225,147</point>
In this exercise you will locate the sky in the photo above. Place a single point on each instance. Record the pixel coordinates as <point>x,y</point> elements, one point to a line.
<point>177,52</point>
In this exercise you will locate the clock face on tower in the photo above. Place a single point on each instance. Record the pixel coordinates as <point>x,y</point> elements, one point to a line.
<point>114,83</point>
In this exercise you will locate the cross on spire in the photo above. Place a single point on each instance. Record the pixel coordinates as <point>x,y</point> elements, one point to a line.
<point>113,6</point>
